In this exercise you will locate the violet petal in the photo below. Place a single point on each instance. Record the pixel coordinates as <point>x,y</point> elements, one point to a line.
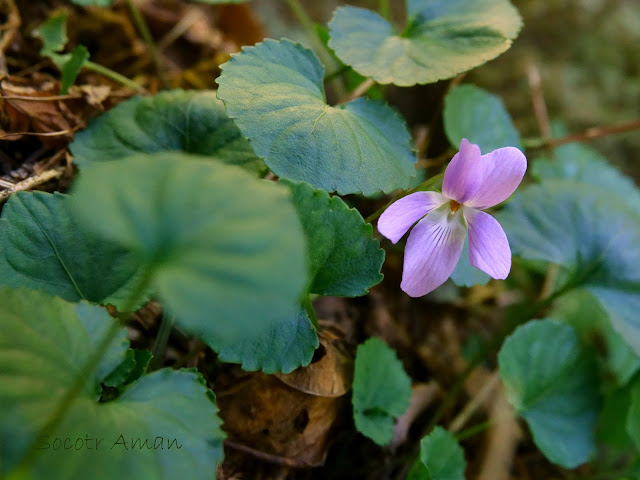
<point>503,172</point>
<point>488,245</point>
<point>402,214</point>
<point>464,174</point>
<point>432,252</point>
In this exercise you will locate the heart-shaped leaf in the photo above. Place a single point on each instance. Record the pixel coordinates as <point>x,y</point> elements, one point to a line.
<point>441,458</point>
<point>274,91</point>
<point>177,120</point>
<point>287,345</point>
<point>42,246</point>
<point>224,250</point>
<point>593,235</point>
<point>442,38</point>
<point>480,117</point>
<point>167,421</point>
<point>345,259</point>
<point>552,382</point>
<point>381,390</point>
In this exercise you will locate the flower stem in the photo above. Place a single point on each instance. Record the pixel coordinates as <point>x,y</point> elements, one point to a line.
<point>426,185</point>
<point>162,339</point>
<point>115,76</point>
<point>143,28</point>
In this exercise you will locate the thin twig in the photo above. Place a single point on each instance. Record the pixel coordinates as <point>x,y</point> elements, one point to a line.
<point>32,182</point>
<point>538,101</point>
<point>359,90</point>
<point>41,134</point>
<point>470,408</point>
<point>40,99</point>
<point>589,134</point>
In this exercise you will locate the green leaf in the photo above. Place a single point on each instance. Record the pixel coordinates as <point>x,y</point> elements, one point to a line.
<point>224,250</point>
<point>120,374</point>
<point>274,91</point>
<point>633,416</point>
<point>465,274</point>
<point>592,235</point>
<point>381,390</point>
<point>441,458</point>
<point>70,69</point>
<point>442,38</point>
<point>480,117</point>
<point>581,163</point>
<point>345,259</point>
<point>40,360</point>
<point>43,247</point>
<point>582,310</point>
<point>612,425</point>
<point>552,381</point>
<point>176,120</point>
<point>53,33</point>
<point>286,346</point>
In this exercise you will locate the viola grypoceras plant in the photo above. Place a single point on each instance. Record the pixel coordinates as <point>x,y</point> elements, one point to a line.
<point>472,182</point>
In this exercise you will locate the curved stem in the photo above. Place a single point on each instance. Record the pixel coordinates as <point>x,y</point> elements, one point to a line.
<point>143,28</point>
<point>162,339</point>
<point>115,76</point>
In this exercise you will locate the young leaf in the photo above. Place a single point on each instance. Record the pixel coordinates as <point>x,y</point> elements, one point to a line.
<point>480,117</point>
<point>53,34</point>
<point>441,458</point>
<point>43,358</point>
<point>381,390</point>
<point>274,91</point>
<point>345,259</point>
<point>442,38</point>
<point>42,246</point>
<point>465,274</point>
<point>286,346</point>
<point>590,233</point>
<point>552,382</point>
<point>225,251</point>
<point>176,120</point>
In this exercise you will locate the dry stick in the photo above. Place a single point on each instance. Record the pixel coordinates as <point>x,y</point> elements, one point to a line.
<point>359,90</point>
<point>12,25</point>
<point>192,16</point>
<point>32,182</point>
<point>470,408</point>
<point>502,440</point>
<point>589,134</point>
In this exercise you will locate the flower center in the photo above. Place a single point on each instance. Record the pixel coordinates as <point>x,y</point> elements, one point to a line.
<point>454,205</point>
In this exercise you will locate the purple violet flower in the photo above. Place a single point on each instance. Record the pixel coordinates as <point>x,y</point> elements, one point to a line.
<point>472,182</point>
